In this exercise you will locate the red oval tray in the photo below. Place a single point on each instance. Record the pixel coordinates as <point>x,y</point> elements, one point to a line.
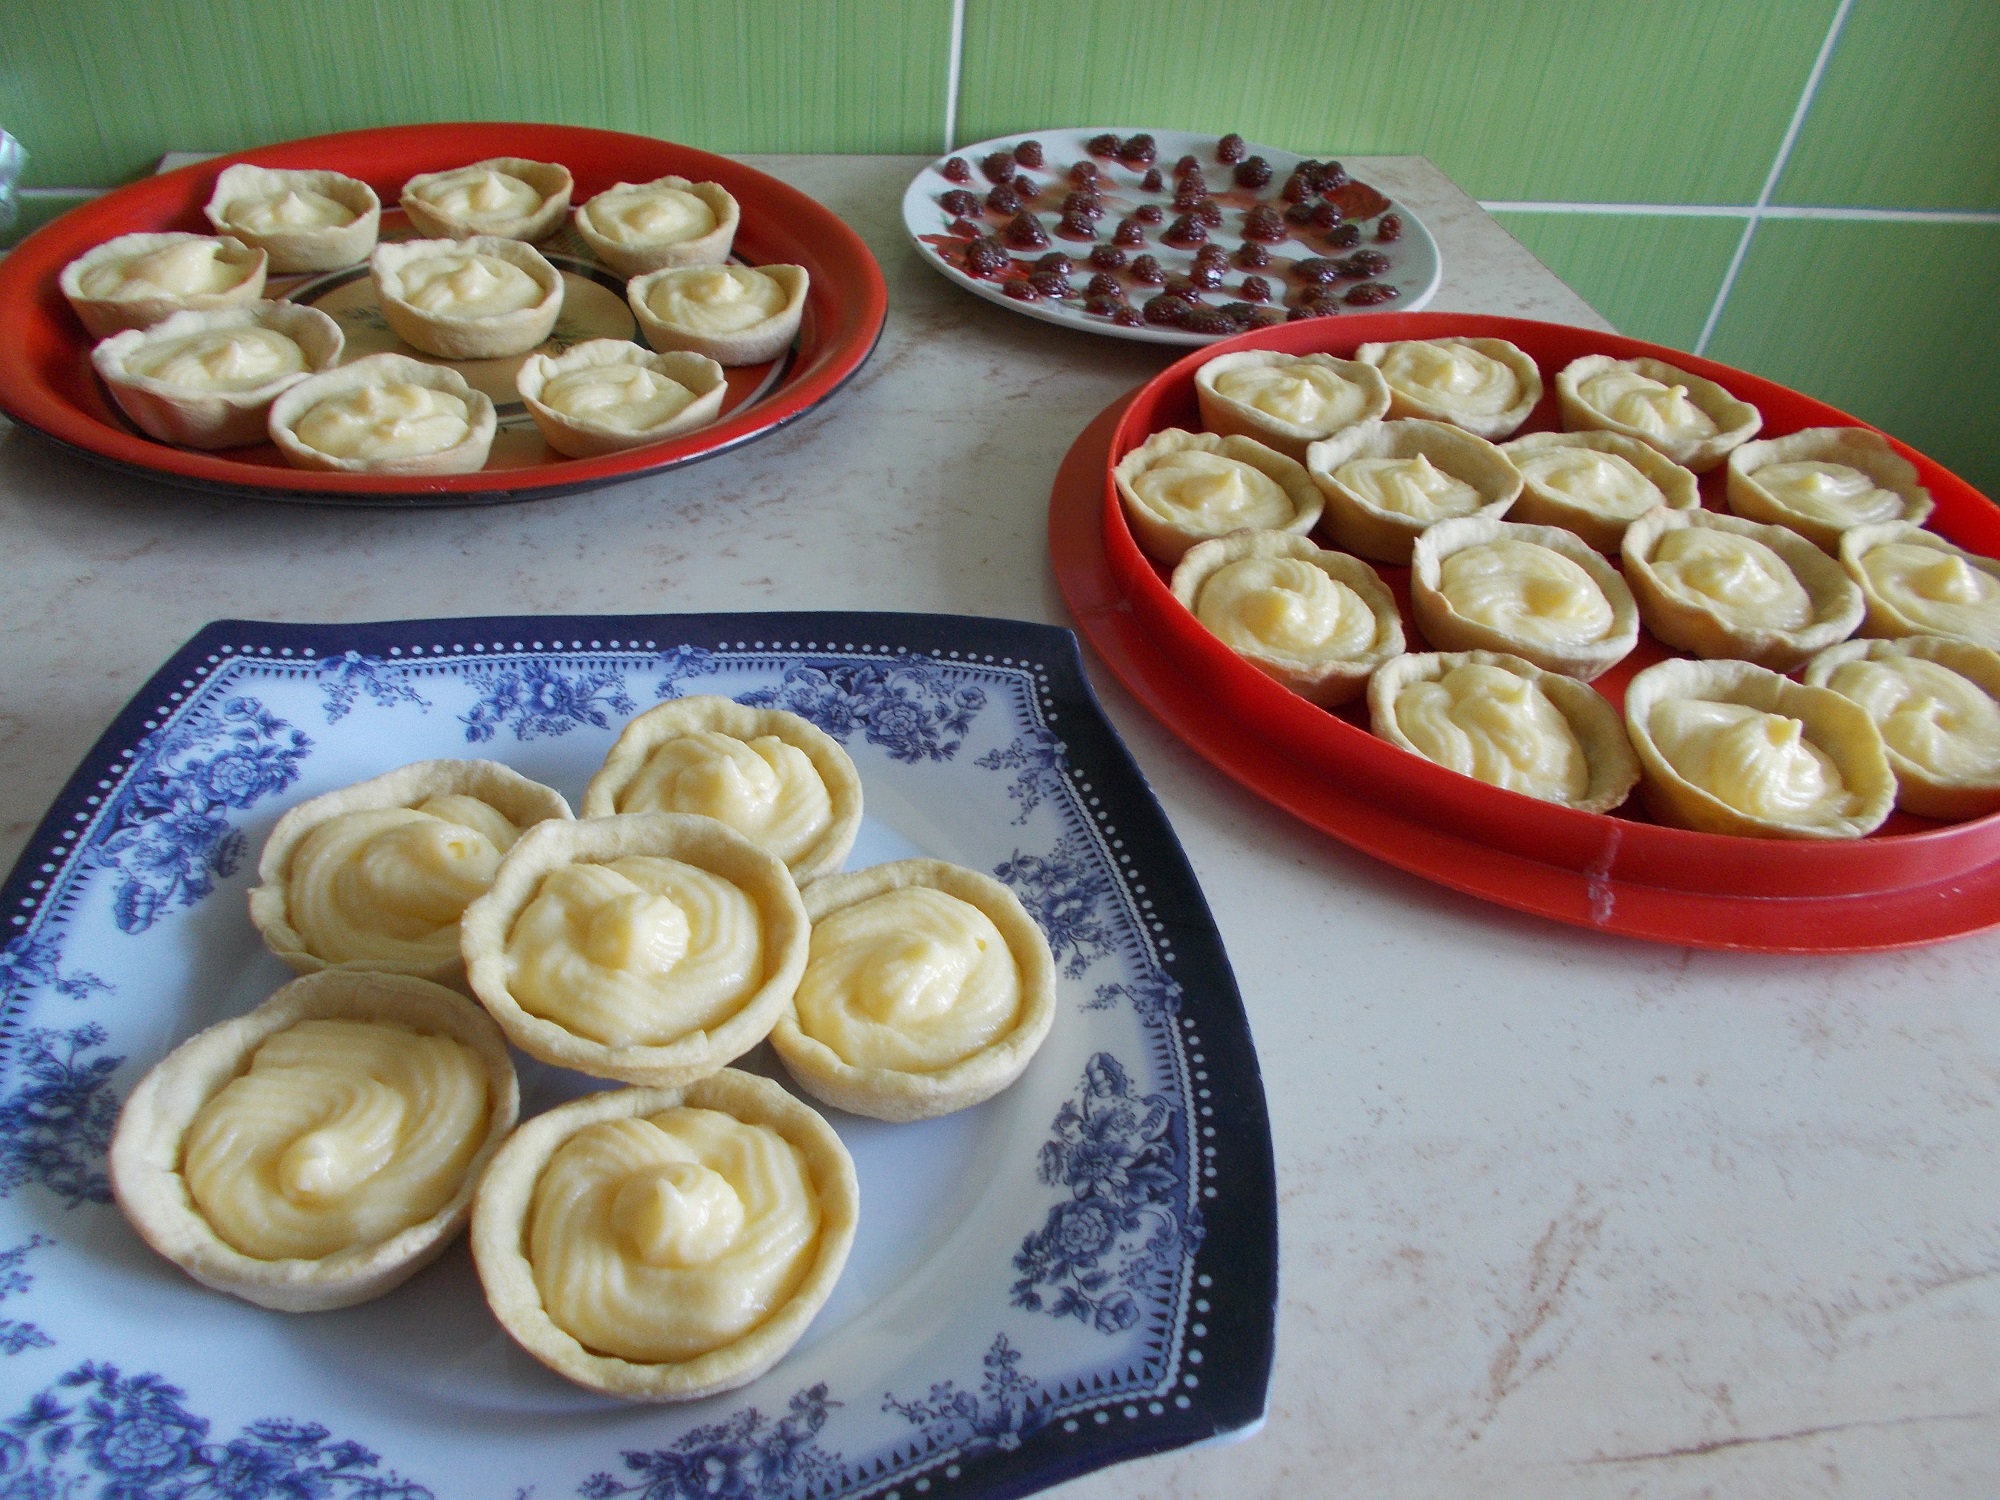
<point>1917,882</point>
<point>46,381</point>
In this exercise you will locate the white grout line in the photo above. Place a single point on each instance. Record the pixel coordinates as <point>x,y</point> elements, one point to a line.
<point>1784,155</point>
<point>1745,210</point>
<point>952,75</point>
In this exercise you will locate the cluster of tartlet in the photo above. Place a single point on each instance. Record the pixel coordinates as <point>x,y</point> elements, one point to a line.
<point>1534,563</point>
<point>196,355</point>
<point>660,1241</point>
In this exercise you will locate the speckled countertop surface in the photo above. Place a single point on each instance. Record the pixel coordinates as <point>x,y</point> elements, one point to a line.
<point>1562,1214</point>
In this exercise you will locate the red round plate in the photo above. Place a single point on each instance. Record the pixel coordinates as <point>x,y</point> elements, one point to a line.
<point>46,381</point>
<point>1918,882</point>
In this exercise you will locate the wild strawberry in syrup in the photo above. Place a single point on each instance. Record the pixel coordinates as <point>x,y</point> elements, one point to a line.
<point>1254,172</point>
<point>1184,231</point>
<point>1024,231</point>
<point>1004,200</point>
<point>1230,148</point>
<point>959,203</point>
<point>1107,258</point>
<point>1371,294</point>
<point>1390,229</point>
<point>1128,232</point>
<point>1029,154</point>
<point>1152,182</point>
<point>1146,271</point>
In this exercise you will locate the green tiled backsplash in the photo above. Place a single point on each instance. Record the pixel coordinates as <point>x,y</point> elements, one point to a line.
<point>1536,106</point>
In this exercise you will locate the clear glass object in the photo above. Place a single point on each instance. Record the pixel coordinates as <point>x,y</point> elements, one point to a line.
<point>12,160</point>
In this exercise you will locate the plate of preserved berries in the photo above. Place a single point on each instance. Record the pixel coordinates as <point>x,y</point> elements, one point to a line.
<point>1165,236</point>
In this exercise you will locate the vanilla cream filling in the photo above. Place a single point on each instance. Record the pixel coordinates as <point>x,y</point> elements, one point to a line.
<point>1498,726</point>
<point>340,1134</point>
<point>627,398</point>
<point>1452,377</point>
<point>647,215</point>
<point>1305,395</point>
<point>913,979</point>
<point>1646,405</point>
<point>1761,764</point>
<point>186,268</point>
<point>1837,494</point>
<point>219,359</point>
<point>461,284</point>
<point>767,790</point>
<point>473,193</point>
<point>1201,491</point>
<point>1413,487</point>
<point>1285,607</point>
<point>1736,578</point>
<point>293,209</point>
<point>716,299</point>
<point>1941,722</point>
<point>637,952</point>
<point>659,1240</point>
<point>395,419</point>
<point>1937,591</point>
<point>1603,483</point>
<point>1531,592</point>
<point>388,885</point>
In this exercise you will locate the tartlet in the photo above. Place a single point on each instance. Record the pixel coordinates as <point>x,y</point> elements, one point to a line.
<point>1180,488</point>
<point>1537,592</point>
<point>374,877</point>
<point>1728,747</point>
<point>1823,481</point>
<point>1384,482</point>
<point>1489,387</point>
<point>1318,622</point>
<point>1936,701</point>
<point>630,1173</point>
<point>481,297</point>
<point>385,414</point>
<point>735,315</point>
<point>776,778</point>
<point>1287,401</point>
<point>636,227</point>
<point>1719,586</point>
<point>928,989</point>
<point>607,395</point>
<point>508,196</point>
<point>207,379</point>
<point>1917,583</point>
<point>1692,420</point>
<point>137,280</point>
<point>293,1153</point>
<point>653,948</point>
<point>1595,483</point>
<point>303,220</point>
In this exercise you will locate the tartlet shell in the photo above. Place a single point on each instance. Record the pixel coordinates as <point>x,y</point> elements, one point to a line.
<point>213,419</point>
<point>1541,506</point>
<point>754,345</point>
<point>1884,618</point>
<point>1736,421</point>
<point>1355,523</point>
<point>650,730</point>
<point>1490,425</point>
<point>1919,790</point>
<point>147,1150</point>
<point>1226,416</point>
<point>1837,727</point>
<point>310,249</point>
<point>889,1093</point>
<point>575,437</point>
<point>1166,541</point>
<point>692,840</point>
<point>521,801</point>
<point>467,338</point>
<point>551,179</point>
<point>636,260</point>
<point>1330,682</point>
<point>463,457</point>
<point>499,1219</point>
<point>104,316</point>
<point>1858,447</point>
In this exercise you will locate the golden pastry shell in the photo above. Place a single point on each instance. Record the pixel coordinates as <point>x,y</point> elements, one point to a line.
<point>448,337</point>
<point>577,437</point>
<point>1356,523</point>
<point>521,801</point>
<point>703,842</point>
<point>1919,789</point>
<point>308,248</point>
<point>1857,447</point>
<point>1541,506</point>
<point>551,179</point>
<point>755,345</point>
<point>1227,416</point>
<point>463,457</point>
<point>1736,421</point>
<point>1614,770</point>
<point>192,418</point>
<point>682,716</point>
<point>636,260</point>
<point>499,1224</point>
<point>1490,425</point>
<point>104,316</point>
<point>1838,728</point>
<point>890,1093</point>
<point>1447,630</point>
<point>1685,623</point>
<point>147,1149</point>
<point>1165,540</point>
<point>1884,617</point>
<point>1328,682</point>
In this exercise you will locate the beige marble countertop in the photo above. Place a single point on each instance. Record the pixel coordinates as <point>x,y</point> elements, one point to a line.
<point>1562,1214</point>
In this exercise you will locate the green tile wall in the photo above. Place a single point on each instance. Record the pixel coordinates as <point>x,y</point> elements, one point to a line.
<point>1653,275</point>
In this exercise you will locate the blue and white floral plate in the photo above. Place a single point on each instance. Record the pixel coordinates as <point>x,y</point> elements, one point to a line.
<point>1077,1272</point>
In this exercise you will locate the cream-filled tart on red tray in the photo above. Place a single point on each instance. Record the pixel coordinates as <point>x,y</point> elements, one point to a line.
<point>928,989</point>
<point>1384,482</point>
<point>1486,386</point>
<point>1917,583</point>
<point>1691,419</point>
<point>477,298</point>
<point>1936,701</point>
<point>304,220</point>
<point>1595,484</point>
<point>1180,488</point>
<point>666,1244</point>
<point>636,227</point>
<point>323,1148</point>
<point>385,414</point>
<point>1719,586</point>
<point>1287,401</point>
<point>607,395</point>
<point>1504,721</point>
<point>137,280</point>
<point>735,315</point>
<point>1318,622</point>
<point>1728,747</point>
<point>1824,481</point>
<point>508,196</point>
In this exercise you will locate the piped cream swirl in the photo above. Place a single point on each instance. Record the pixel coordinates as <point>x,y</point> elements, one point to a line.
<point>1761,764</point>
<point>1646,405</point>
<point>1497,726</point>
<point>1531,592</point>
<point>766,789</point>
<point>1285,607</point>
<point>1737,578</point>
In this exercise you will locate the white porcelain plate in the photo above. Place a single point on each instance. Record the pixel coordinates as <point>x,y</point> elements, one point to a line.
<point>1411,271</point>
<point>1079,1271</point>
